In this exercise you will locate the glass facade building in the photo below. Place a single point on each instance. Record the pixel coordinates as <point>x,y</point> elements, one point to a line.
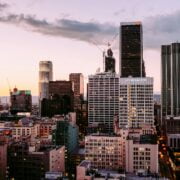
<point>131,50</point>
<point>170,82</point>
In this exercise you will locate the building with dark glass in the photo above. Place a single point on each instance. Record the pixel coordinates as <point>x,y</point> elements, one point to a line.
<point>110,62</point>
<point>21,101</point>
<point>131,50</point>
<point>170,82</point>
<point>166,80</point>
<point>60,99</point>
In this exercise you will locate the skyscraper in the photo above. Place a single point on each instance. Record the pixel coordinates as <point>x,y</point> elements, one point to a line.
<point>110,62</point>
<point>170,88</point>
<point>166,80</point>
<point>131,50</point>
<point>136,107</point>
<point>45,75</point>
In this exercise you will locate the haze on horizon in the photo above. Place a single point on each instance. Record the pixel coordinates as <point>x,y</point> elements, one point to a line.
<point>65,32</point>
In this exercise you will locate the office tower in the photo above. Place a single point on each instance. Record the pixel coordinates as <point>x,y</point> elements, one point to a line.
<point>110,62</point>
<point>170,74</point>
<point>78,82</point>
<point>60,99</point>
<point>21,101</point>
<point>131,50</point>
<point>45,75</point>
<point>136,107</point>
<point>103,99</point>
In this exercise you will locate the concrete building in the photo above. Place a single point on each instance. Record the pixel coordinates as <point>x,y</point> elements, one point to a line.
<point>136,107</point>
<point>19,131</point>
<point>105,152</point>
<point>103,99</point>
<point>45,75</point>
<point>21,101</point>
<point>131,50</point>
<point>24,161</point>
<point>173,132</point>
<point>142,154</point>
<point>46,128</point>
<point>82,171</point>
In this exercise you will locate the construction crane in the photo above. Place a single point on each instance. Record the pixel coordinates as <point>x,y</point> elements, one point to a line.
<point>103,51</point>
<point>9,86</point>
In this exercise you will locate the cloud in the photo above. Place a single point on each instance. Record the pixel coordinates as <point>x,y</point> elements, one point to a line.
<point>3,6</point>
<point>161,29</point>
<point>83,31</point>
<point>157,30</point>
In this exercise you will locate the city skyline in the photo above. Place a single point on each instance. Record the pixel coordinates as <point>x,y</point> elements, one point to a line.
<point>32,31</point>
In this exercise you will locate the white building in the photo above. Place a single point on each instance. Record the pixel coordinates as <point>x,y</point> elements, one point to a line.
<point>32,130</point>
<point>103,98</point>
<point>45,75</point>
<point>136,107</point>
<point>142,154</point>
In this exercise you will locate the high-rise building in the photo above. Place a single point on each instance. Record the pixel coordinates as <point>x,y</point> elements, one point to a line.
<point>21,101</point>
<point>170,87</point>
<point>103,98</point>
<point>136,107</point>
<point>131,50</point>
<point>110,62</point>
<point>78,82</point>
<point>60,98</point>
<point>45,75</point>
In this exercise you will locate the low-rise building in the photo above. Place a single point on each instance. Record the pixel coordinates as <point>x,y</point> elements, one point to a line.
<point>105,151</point>
<point>142,154</point>
<point>25,161</point>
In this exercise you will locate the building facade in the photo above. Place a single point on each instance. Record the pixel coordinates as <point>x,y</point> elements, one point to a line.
<point>141,155</point>
<point>60,99</point>
<point>136,107</point>
<point>45,75</point>
<point>26,164</point>
<point>110,62</point>
<point>21,101</point>
<point>170,82</point>
<point>78,84</point>
<point>104,152</point>
<point>131,50</point>
<point>3,157</point>
<point>103,99</point>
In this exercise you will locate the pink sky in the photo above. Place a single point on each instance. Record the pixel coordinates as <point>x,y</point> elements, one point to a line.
<point>22,49</point>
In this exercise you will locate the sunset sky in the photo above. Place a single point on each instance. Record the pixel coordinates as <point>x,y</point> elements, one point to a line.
<point>65,31</point>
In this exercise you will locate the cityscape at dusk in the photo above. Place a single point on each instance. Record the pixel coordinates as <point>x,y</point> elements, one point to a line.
<point>90,90</point>
<point>33,30</point>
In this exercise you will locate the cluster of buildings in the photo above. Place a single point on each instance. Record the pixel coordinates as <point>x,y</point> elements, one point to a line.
<point>170,102</point>
<point>114,134</point>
